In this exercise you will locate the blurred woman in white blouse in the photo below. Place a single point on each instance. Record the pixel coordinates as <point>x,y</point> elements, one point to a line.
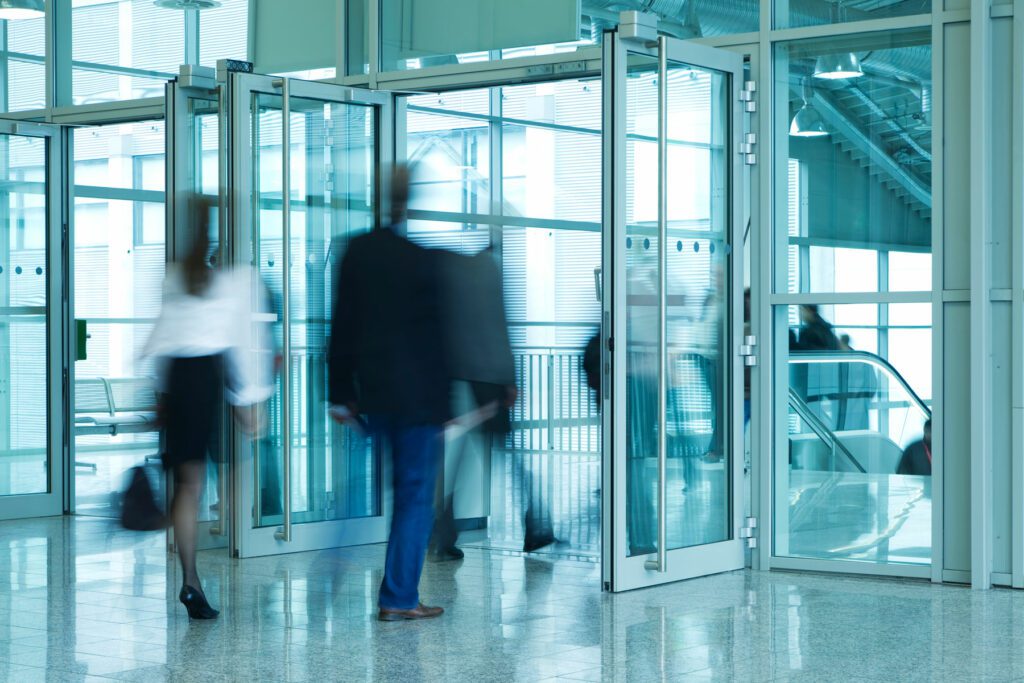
<point>208,342</point>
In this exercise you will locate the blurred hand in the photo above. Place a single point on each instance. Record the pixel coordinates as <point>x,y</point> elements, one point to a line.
<point>345,414</point>
<point>511,394</point>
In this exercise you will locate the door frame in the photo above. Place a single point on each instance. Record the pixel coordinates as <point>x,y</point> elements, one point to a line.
<point>621,572</point>
<point>59,369</point>
<point>180,163</point>
<point>249,541</point>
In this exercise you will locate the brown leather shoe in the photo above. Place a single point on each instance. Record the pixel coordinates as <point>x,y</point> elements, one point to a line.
<point>421,611</point>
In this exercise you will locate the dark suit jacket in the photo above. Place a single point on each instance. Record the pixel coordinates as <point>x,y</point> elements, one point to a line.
<point>387,350</point>
<point>915,460</point>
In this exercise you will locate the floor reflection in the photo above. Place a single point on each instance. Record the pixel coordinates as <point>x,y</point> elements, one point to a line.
<point>84,602</point>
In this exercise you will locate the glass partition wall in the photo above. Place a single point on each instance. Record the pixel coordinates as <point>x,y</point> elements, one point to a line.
<point>118,261</point>
<point>852,282</point>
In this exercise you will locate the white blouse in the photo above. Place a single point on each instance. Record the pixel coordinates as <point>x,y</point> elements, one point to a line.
<point>230,318</point>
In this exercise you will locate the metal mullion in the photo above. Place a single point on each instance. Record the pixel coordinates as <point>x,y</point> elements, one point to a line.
<point>61,269</point>
<point>1017,325</point>
<point>850,28</point>
<point>122,70</point>
<point>374,47</point>
<point>498,219</point>
<point>119,194</point>
<point>981,305</point>
<point>844,298</point>
<point>497,170</point>
<point>762,313</point>
<point>490,118</point>
<point>192,36</point>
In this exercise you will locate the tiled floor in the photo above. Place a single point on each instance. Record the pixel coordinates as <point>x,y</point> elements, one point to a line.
<point>86,603</point>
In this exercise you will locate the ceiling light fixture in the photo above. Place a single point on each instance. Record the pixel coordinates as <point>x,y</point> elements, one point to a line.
<point>807,123</point>
<point>21,9</point>
<point>837,67</point>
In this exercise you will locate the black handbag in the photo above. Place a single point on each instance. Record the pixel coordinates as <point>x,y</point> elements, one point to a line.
<point>139,509</point>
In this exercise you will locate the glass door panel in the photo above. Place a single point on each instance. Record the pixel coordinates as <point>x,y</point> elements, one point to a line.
<point>31,399</point>
<point>310,482</point>
<point>194,144</point>
<point>674,302</point>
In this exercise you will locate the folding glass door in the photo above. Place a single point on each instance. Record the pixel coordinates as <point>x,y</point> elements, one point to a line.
<point>673,312</point>
<point>32,341</point>
<point>304,181</point>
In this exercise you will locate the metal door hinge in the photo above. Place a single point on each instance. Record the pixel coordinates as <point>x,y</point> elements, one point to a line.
<point>747,148</point>
<point>747,96</point>
<point>748,350</point>
<point>749,531</point>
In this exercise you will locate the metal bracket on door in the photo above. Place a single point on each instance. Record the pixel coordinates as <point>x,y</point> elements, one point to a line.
<point>747,149</point>
<point>747,96</point>
<point>748,532</point>
<point>748,351</point>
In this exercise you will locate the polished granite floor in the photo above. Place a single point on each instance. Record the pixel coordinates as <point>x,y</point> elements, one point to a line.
<point>85,602</point>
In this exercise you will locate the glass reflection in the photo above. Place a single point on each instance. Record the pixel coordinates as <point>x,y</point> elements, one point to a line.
<point>857,485</point>
<point>24,417</point>
<point>335,472</point>
<point>695,382</point>
<point>854,164</point>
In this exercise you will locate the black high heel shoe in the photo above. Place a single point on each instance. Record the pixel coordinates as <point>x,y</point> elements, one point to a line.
<point>196,604</point>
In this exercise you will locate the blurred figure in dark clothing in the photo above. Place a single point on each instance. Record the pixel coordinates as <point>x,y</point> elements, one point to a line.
<point>815,332</point>
<point>917,459</point>
<point>480,353</point>
<point>387,361</point>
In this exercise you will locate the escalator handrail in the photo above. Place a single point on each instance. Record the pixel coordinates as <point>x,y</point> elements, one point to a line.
<point>808,357</point>
<point>820,428</point>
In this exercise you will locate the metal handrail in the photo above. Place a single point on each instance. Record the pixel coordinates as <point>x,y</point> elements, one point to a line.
<point>814,357</point>
<point>797,403</point>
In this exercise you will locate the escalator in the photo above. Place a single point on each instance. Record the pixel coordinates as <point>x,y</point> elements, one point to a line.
<point>852,417</point>
<point>860,413</point>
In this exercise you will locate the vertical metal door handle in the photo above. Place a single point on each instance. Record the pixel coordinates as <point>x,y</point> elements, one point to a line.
<point>285,533</point>
<point>660,563</point>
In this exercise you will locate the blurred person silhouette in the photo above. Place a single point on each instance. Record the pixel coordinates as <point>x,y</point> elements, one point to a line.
<point>387,361</point>
<point>858,385</point>
<point>917,459</point>
<point>480,355</point>
<point>203,341</point>
<point>815,333</point>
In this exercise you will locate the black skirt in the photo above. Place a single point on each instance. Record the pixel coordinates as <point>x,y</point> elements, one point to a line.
<point>191,408</point>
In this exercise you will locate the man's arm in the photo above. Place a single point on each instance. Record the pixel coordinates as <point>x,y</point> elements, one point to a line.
<point>341,351</point>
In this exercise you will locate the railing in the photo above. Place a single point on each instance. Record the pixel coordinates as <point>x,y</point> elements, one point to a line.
<point>848,357</point>
<point>821,430</point>
<point>555,411</point>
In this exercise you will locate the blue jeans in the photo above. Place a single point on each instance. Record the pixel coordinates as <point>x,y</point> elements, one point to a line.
<point>415,452</point>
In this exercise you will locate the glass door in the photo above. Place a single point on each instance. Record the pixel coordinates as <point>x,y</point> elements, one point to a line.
<point>305,161</point>
<point>673,312</point>
<point>32,427</point>
<point>195,140</point>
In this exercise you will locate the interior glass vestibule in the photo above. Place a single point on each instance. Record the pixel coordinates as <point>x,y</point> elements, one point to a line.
<point>291,194</point>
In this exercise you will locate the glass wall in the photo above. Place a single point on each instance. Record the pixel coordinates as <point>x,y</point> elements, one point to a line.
<point>119,255</point>
<point>120,49</point>
<point>22,67</point>
<point>24,303</point>
<point>224,32</point>
<point>852,229</point>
